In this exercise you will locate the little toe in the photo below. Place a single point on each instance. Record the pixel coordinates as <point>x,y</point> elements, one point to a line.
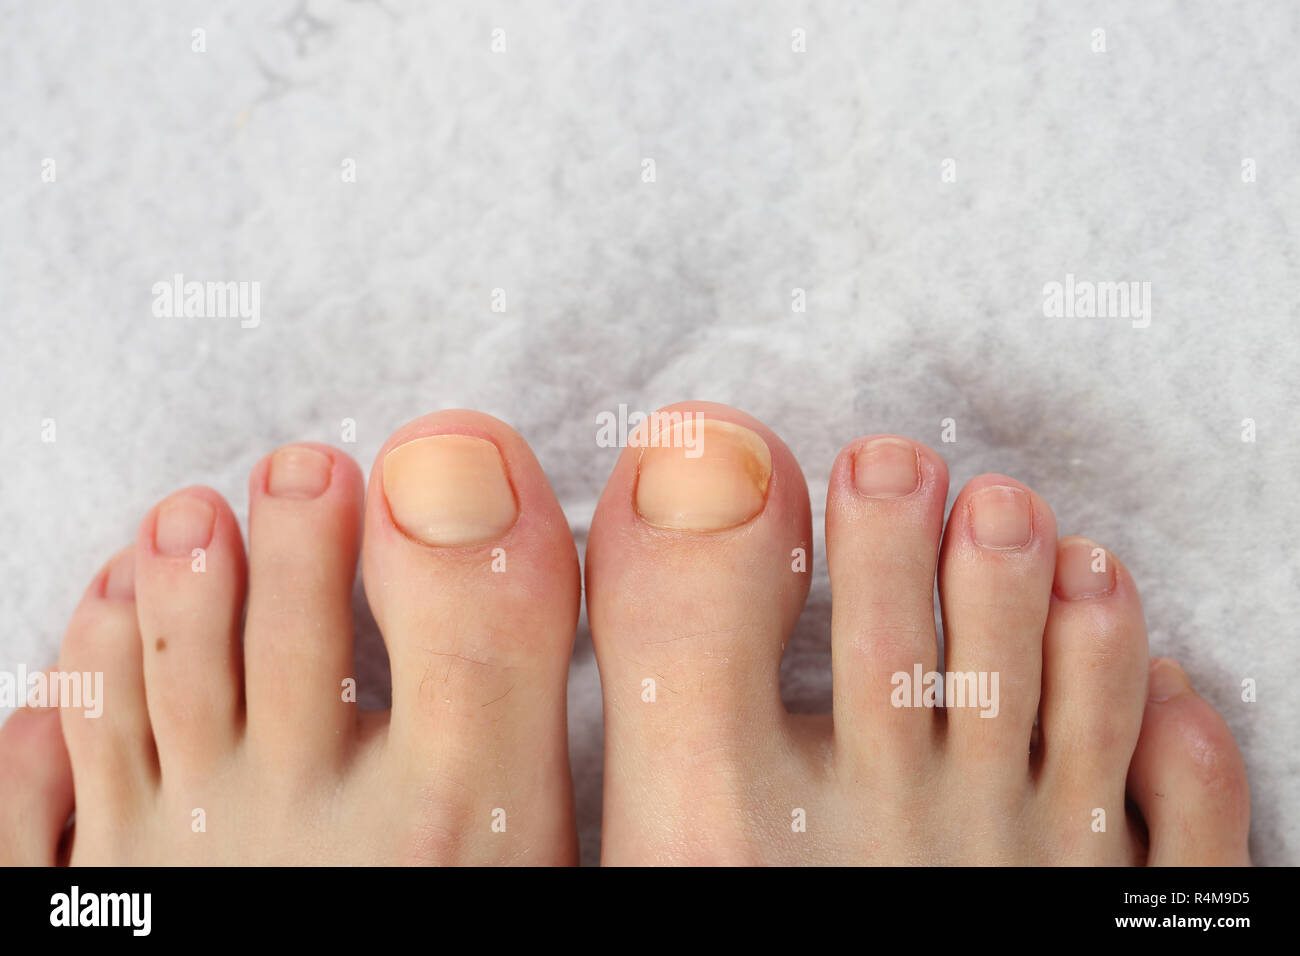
<point>36,795</point>
<point>1188,778</point>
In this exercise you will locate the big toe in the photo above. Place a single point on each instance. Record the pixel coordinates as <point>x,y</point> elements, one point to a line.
<point>472,574</point>
<point>697,568</point>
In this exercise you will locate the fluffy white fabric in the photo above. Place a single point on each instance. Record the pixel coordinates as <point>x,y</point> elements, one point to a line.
<point>774,170</point>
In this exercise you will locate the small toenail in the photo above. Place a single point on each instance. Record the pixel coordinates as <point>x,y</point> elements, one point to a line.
<point>298,472</point>
<point>886,468</point>
<point>449,490</point>
<point>1166,681</point>
<point>716,480</point>
<point>1084,569</point>
<point>184,523</point>
<point>119,584</point>
<point>1000,518</point>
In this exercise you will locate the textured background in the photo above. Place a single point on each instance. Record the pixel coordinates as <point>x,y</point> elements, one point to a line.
<point>776,170</point>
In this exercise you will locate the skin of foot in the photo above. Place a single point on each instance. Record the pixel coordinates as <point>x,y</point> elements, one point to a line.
<point>1068,746</point>
<point>233,737</point>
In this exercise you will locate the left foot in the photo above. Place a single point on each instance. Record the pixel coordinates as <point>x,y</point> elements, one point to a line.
<point>227,738</point>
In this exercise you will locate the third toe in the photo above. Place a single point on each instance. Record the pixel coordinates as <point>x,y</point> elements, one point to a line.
<point>189,587</point>
<point>995,584</point>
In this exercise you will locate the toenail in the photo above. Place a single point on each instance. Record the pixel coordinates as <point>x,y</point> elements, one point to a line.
<point>1000,518</point>
<point>886,468</point>
<point>119,585</point>
<point>716,481</point>
<point>184,524</point>
<point>1167,680</point>
<point>1084,569</point>
<point>449,490</point>
<point>298,472</point>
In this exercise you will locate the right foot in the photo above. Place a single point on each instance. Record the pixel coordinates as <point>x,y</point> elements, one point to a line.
<point>694,582</point>
<point>233,740</point>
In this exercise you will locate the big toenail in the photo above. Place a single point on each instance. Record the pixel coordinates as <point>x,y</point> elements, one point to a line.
<point>886,468</point>
<point>1084,569</point>
<point>184,524</point>
<point>119,585</point>
<point>449,490</point>
<point>1000,518</point>
<point>703,475</point>
<point>298,472</point>
<point>1166,681</point>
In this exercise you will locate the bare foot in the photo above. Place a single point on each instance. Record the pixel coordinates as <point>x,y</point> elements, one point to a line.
<point>226,739</point>
<point>694,582</point>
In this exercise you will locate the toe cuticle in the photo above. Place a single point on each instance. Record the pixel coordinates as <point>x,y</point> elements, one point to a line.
<point>298,472</point>
<point>1001,518</point>
<point>886,468</point>
<point>702,475</point>
<point>449,490</point>
<point>1166,680</point>
<point>1084,570</point>
<point>119,582</point>
<point>184,523</point>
